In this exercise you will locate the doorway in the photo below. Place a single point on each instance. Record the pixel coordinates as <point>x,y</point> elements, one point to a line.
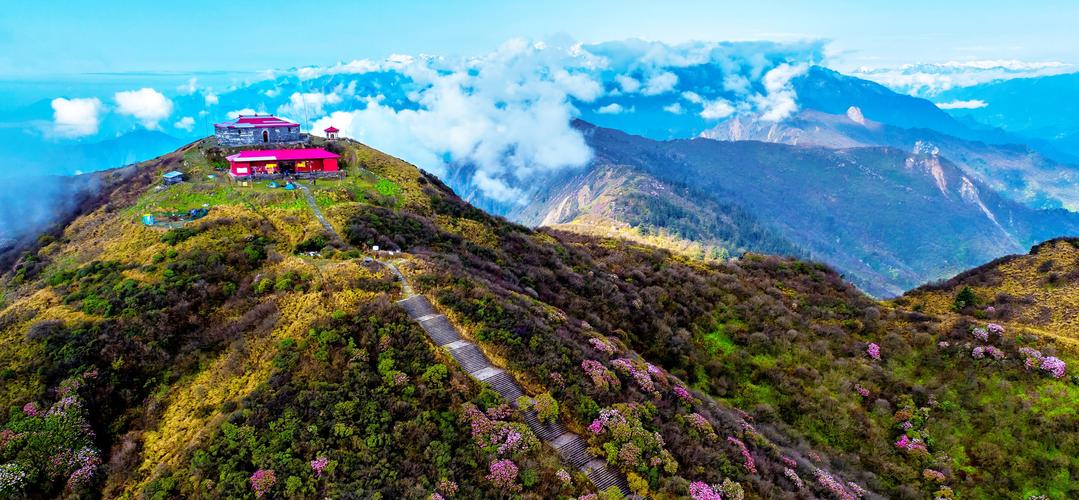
<point>265,136</point>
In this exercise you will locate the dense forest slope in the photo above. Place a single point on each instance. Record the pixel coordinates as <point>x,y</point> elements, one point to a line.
<point>251,353</point>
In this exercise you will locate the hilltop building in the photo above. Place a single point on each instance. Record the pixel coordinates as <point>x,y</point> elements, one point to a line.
<point>247,130</point>
<point>313,162</point>
<point>331,133</point>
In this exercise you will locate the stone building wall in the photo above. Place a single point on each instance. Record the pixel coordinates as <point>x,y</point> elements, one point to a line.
<point>253,135</point>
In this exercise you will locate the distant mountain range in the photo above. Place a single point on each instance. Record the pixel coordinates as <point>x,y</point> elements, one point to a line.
<point>1042,111</point>
<point>1016,171</point>
<point>889,219</point>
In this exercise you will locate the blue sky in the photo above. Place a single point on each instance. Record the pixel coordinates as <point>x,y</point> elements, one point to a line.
<point>70,37</point>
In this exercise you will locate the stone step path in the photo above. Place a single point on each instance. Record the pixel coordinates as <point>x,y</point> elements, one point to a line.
<point>572,449</point>
<point>317,211</point>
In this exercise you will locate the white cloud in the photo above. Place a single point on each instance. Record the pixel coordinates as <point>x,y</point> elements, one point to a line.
<point>236,113</point>
<point>186,123</point>
<point>611,109</point>
<point>971,104</point>
<point>505,115</point>
<point>692,96</point>
<point>660,83</point>
<point>78,117</point>
<point>932,79</point>
<point>308,103</point>
<point>355,67</point>
<point>627,83</point>
<point>779,100</point>
<point>211,99</point>
<point>717,109</point>
<point>188,88</point>
<point>147,105</point>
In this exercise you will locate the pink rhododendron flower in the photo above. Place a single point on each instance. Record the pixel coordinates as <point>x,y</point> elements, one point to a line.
<point>563,476</point>
<point>503,473</point>
<point>702,491</point>
<point>873,350</point>
<point>262,480</point>
<point>933,475</point>
<point>602,346</point>
<point>862,391</point>
<point>829,483</point>
<point>318,465</point>
<point>749,463</point>
<point>995,329</point>
<point>980,334</point>
<point>1054,366</point>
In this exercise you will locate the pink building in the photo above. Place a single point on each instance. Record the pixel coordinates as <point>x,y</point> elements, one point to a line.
<point>273,162</point>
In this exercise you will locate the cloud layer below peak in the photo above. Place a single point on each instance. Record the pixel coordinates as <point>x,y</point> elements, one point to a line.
<point>507,115</point>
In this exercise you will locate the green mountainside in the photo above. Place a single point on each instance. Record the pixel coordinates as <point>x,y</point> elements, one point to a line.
<point>254,352</point>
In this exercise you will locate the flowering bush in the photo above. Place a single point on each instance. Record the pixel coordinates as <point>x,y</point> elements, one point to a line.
<point>1050,364</point>
<point>262,480</point>
<point>700,424</point>
<point>627,444</point>
<point>563,476</point>
<point>793,476</point>
<point>981,334</point>
<point>908,444</point>
<point>1054,366</point>
<point>978,352</point>
<point>318,465</point>
<point>873,350</point>
<point>748,462</point>
<point>51,447</point>
<point>683,394</point>
<point>12,478</point>
<point>702,491</point>
<point>603,379</point>
<point>602,345</point>
<point>994,329</point>
<point>862,391</point>
<point>496,436</point>
<point>829,483</point>
<point>503,473</point>
<point>933,475</point>
<point>447,487</point>
<point>639,371</point>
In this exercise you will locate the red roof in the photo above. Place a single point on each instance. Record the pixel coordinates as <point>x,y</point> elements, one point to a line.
<point>331,128</point>
<point>282,155</point>
<point>252,121</point>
